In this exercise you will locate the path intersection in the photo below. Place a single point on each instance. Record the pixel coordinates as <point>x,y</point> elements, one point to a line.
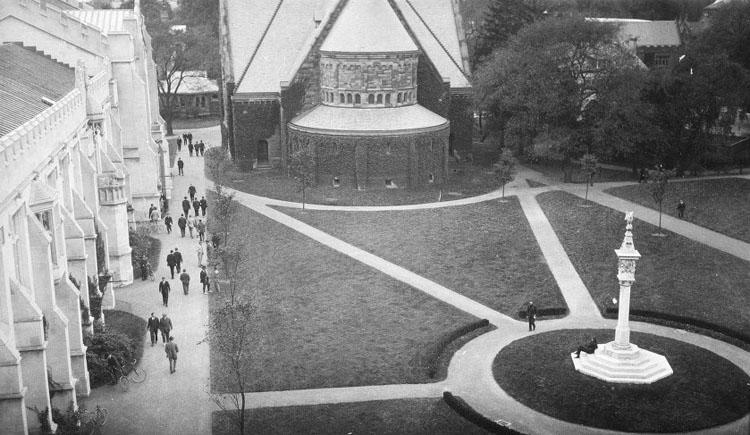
<point>180,403</point>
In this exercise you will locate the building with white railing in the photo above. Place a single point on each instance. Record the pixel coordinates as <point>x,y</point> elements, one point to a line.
<point>81,158</point>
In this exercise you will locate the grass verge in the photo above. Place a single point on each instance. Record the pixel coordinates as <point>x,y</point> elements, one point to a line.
<point>554,170</point>
<point>484,251</point>
<point>704,391</point>
<point>129,324</point>
<point>326,320</point>
<point>675,275</point>
<point>408,416</point>
<point>722,205</point>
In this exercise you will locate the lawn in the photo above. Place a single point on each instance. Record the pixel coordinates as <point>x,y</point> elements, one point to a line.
<point>675,275</point>
<point>326,320</point>
<point>190,123</point>
<point>408,416</point>
<point>722,205</point>
<point>484,251</point>
<point>704,391</point>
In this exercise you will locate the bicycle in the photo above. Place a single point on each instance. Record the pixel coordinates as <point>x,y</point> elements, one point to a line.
<point>134,375</point>
<point>94,421</point>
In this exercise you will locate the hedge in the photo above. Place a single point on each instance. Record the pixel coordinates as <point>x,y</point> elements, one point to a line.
<point>143,244</point>
<point>467,412</point>
<point>427,358</point>
<point>124,339</point>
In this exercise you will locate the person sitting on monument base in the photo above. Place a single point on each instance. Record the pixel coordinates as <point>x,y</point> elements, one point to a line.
<point>589,348</point>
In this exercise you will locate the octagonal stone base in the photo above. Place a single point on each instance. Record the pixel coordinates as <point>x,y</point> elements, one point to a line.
<point>626,366</point>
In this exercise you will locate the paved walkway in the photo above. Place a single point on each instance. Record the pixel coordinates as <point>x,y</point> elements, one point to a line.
<point>164,403</point>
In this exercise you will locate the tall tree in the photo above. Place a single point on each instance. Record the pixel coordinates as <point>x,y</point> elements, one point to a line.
<point>302,168</point>
<point>571,78</point>
<point>503,19</point>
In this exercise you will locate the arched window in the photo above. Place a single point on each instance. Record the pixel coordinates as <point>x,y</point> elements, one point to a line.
<point>387,99</point>
<point>357,99</point>
<point>399,97</point>
<point>371,99</point>
<point>349,98</point>
<point>330,97</point>
<point>380,98</point>
<point>342,99</point>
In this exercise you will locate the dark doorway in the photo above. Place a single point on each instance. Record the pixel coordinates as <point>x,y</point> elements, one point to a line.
<point>262,152</point>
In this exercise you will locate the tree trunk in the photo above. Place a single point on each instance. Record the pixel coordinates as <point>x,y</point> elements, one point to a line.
<point>242,414</point>
<point>660,202</point>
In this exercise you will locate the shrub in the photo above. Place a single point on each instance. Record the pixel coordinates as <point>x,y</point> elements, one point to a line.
<point>143,244</point>
<point>102,344</point>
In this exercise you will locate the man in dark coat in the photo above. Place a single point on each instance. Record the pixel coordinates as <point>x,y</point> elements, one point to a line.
<point>180,166</point>
<point>191,192</point>
<point>190,148</point>
<point>179,144</point>
<point>182,223</point>
<point>204,280</point>
<point>164,290</point>
<point>681,209</point>
<point>531,315</point>
<point>165,326</point>
<point>185,279</point>
<point>190,137</point>
<point>153,328</point>
<point>196,206</point>
<point>204,205</point>
<point>178,259</point>
<point>168,223</point>
<point>171,263</point>
<point>171,350</point>
<point>186,206</point>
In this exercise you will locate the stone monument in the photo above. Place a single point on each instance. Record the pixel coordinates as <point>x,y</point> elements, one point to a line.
<point>620,360</point>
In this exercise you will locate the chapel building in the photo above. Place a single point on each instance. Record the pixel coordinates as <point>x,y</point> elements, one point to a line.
<point>377,91</point>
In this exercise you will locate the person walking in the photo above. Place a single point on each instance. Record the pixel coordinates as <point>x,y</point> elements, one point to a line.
<point>182,223</point>
<point>186,206</point>
<point>164,290</point>
<point>191,192</point>
<point>153,329</point>
<point>196,207</point>
<point>191,225</point>
<point>184,138</point>
<point>531,315</point>
<point>204,205</point>
<point>190,148</point>
<point>168,223</point>
<point>202,148</point>
<point>144,267</point>
<point>155,218</point>
<point>204,280</point>
<point>199,252</point>
<point>681,209</point>
<point>185,279</point>
<point>163,204</point>
<point>171,350</point>
<point>171,263</point>
<point>201,227</point>
<point>178,259</point>
<point>190,137</point>
<point>180,166</point>
<point>179,144</point>
<point>165,326</point>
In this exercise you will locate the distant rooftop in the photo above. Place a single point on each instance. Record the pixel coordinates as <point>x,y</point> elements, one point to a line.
<point>106,20</point>
<point>26,78</point>
<point>196,82</point>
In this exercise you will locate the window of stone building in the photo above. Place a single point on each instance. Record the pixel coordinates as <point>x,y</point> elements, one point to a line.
<point>203,101</point>
<point>431,178</point>
<point>45,218</point>
<point>380,98</point>
<point>349,98</point>
<point>214,97</point>
<point>371,99</point>
<point>336,182</point>
<point>331,97</point>
<point>357,99</point>
<point>399,97</point>
<point>342,99</point>
<point>388,99</point>
<point>661,60</point>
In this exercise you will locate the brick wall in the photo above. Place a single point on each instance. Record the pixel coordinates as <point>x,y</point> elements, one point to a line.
<point>367,161</point>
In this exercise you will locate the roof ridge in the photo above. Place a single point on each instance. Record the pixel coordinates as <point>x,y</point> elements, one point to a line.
<point>440,43</point>
<point>260,42</point>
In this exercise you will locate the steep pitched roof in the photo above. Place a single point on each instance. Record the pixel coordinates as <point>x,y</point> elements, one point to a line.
<point>368,26</point>
<point>268,38</point>
<point>27,76</point>
<point>106,20</point>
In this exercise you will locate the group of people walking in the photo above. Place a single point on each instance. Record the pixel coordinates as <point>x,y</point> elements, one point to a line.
<point>199,148</point>
<point>156,325</point>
